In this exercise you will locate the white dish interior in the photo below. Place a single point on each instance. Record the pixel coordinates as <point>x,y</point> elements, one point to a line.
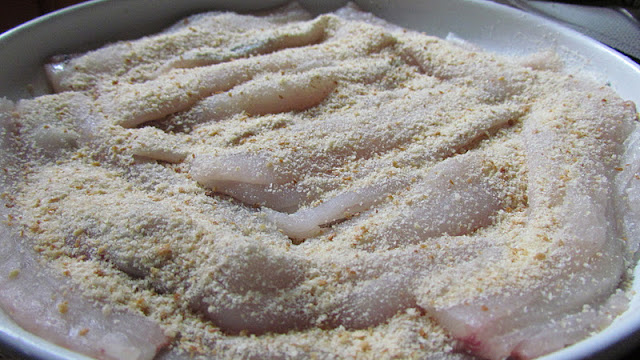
<point>494,27</point>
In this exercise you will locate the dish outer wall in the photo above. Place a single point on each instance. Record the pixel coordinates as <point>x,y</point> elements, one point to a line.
<point>494,27</point>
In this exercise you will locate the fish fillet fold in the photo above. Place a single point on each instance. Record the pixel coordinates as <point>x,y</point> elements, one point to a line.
<point>285,186</point>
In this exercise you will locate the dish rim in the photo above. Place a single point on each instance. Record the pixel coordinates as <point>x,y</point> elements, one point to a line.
<point>609,338</point>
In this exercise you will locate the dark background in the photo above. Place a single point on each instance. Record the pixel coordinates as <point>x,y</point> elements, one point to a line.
<point>16,12</point>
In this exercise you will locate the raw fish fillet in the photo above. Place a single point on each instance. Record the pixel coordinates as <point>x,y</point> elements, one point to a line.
<point>366,137</point>
<point>81,72</point>
<point>573,194</point>
<point>50,307</point>
<point>134,104</point>
<point>628,194</point>
<point>455,197</point>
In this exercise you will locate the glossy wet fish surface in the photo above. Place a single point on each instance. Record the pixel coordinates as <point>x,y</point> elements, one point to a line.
<point>282,186</point>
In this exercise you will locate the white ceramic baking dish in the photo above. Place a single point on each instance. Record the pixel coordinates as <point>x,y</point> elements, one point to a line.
<point>25,49</point>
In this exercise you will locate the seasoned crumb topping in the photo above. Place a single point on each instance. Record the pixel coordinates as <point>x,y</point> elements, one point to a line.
<point>179,176</point>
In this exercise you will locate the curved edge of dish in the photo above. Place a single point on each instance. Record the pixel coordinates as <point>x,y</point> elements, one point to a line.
<point>480,23</point>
